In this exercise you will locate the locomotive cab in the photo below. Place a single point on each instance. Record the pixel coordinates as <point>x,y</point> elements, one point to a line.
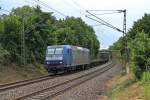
<point>57,58</point>
<point>65,58</point>
<point>54,56</point>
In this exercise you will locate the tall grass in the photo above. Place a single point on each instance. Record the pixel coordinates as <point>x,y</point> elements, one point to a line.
<point>146,81</point>
<point>120,86</point>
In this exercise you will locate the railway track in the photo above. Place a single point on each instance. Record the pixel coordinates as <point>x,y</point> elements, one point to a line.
<point>35,87</point>
<point>12,85</point>
<point>24,83</point>
<point>52,91</point>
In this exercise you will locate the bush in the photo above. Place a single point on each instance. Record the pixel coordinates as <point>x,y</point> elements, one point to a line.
<point>137,72</point>
<point>140,53</point>
<point>146,81</point>
<point>4,55</point>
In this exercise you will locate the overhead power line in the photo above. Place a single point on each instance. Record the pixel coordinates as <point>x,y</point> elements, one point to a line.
<point>124,49</point>
<point>80,7</point>
<point>95,20</point>
<point>76,6</point>
<point>49,7</point>
<point>104,22</point>
<point>105,10</point>
<point>105,13</point>
<point>99,22</point>
<point>28,1</point>
<point>96,25</point>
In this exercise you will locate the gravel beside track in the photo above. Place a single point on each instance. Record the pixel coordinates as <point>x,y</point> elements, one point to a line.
<point>14,83</point>
<point>59,88</point>
<point>14,93</point>
<point>92,89</point>
<point>23,83</point>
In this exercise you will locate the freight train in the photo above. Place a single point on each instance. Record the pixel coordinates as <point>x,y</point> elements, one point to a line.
<point>68,57</point>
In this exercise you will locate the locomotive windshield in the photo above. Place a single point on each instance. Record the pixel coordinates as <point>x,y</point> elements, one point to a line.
<point>59,51</point>
<point>55,51</point>
<point>50,51</point>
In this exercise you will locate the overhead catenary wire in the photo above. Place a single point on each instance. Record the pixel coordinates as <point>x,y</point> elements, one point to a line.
<point>34,4</point>
<point>78,5</point>
<point>99,21</point>
<point>70,4</point>
<point>29,1</point>
<point>106,10</point>
<point>75,4</point>
<point>95,20</point>
<point>124,44</point>
<point>102,21</point>
<point>49,7</point>
<point>96,25</point>
<point>105,13</point>
<point>106,23</point>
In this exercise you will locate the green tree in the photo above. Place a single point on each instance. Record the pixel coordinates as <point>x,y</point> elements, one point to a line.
<point>140,53</point>
<point>138,38</point>
<point>10,37</point>
<point>42,29</point>
<point>77,32</point>
<point>141,25</point>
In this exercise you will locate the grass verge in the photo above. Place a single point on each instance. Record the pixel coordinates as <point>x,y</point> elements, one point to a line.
<point>146,81</point>
<point>118,85</point>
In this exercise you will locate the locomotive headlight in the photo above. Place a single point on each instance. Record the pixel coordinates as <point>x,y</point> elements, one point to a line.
<point>60,62</point>
<point>48,63</point>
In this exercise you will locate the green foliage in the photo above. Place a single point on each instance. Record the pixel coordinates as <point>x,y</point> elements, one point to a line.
<point>4,55</point>
<point>140,53</point>
<point>11,35</point>
<point>141,25</point>
<point>117,45</point>
<point>146,81</point>
<point>42,29</point>
<point>138,38</point>
<point>139,44</point>
<point>77,32</point>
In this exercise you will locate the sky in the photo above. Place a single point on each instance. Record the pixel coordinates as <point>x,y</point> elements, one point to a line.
<point>77,8</point>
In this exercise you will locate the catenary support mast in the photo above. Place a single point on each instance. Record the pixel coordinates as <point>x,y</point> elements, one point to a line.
<point>124,49</point>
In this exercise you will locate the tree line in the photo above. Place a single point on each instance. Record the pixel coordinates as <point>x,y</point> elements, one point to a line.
<point>41,29</point>
<point>138,38</point>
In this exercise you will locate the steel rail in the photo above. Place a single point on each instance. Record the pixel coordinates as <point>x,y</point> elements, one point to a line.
<point>74,85</point>
<point>8,86</point>
<point>58,85</point>
<point>17,84</point>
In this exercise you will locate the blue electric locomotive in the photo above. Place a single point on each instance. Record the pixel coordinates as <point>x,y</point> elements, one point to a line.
<point>66,57</point>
